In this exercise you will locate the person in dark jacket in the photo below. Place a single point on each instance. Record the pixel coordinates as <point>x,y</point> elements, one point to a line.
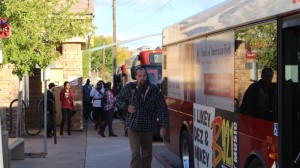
<point>50,109</point>
<point>259,99</point>
<point>143,102</point>
<point>86,99</point>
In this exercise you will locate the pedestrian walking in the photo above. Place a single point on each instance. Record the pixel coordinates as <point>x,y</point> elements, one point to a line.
<point>143,102</point>
<point>108,111</point>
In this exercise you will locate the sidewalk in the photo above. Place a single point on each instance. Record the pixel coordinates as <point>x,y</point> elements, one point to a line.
<point>83,149</point>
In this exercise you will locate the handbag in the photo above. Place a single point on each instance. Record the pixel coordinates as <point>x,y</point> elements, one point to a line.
<point>74,105</point>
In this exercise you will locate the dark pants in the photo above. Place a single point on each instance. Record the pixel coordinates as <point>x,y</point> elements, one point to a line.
<point>87,107</point>
<point>141,148</point>
<point>66,113</point>
<point>99,116</point>
<point>50,123</point>
<point>109,115</point>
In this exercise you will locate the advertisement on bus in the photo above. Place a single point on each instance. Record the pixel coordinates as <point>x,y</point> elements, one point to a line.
<point>215,143</point>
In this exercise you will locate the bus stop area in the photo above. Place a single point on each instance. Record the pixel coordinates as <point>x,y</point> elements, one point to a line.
<point>83,149</point>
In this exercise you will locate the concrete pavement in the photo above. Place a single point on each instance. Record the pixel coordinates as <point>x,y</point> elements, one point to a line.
<point>83,149</point>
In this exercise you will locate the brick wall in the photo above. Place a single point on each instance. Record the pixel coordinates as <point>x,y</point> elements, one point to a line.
<point>242,75</point>
<point>9,85</point>
<point>9,88</point>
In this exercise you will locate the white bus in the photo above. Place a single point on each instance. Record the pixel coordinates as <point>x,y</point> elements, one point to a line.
<point>222,114</point>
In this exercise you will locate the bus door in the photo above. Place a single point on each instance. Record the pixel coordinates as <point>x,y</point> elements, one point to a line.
<point>289,118</point>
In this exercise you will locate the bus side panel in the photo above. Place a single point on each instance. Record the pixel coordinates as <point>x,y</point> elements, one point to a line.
<point>177,119</point>
<point>255,135</point>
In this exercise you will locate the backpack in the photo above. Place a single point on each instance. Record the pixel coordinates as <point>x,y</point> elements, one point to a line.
<point>132,89</point>
<point>103,99</point>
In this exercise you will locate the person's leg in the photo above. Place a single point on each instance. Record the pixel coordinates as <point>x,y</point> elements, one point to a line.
<point>69,121</point>
<point>109,119</point>
<point>97,117</point>
<point>146,149</point>
<point>85,108</point>
<point>90,107</point>
<point>135,144</point>
<point>51,124</point>
<point>105,121</point>
<point>104,124</point>
<point>63,120</point>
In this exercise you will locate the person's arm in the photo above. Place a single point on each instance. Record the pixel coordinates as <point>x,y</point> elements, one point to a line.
<point>71,95</point>
<point>162,109</point>
<point>61,95</point>
<point>163,113</point>
<point>92,93</point>
<point>123,98</point>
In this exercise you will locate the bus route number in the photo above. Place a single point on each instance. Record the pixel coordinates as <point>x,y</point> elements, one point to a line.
<point>155,58</point>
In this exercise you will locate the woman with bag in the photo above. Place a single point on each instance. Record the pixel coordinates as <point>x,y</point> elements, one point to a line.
<point>67,107</point>
<point>97,94</point>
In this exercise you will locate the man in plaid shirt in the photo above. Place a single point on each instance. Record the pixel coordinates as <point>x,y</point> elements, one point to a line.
<point>144,103</point>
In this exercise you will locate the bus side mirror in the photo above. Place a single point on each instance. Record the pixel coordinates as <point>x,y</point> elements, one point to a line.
<point>133,72</point>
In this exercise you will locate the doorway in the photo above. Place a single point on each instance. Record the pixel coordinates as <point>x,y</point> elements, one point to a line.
<point>290,116</point>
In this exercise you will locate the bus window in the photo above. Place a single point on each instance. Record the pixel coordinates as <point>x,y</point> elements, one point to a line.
<point>256,78</point>
<point>151,77</point>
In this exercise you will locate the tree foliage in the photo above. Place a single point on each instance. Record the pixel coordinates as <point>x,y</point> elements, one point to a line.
<point>86,59</point>
<point>97,56</point>
<point>123,54</point>
<point>263,39</point>
<point>37,28</point>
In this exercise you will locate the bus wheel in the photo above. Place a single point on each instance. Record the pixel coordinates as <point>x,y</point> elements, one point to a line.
<point>185,150</point>
<point>255,163</point>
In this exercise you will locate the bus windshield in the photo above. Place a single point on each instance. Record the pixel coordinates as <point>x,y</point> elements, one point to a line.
<point>154,74</point>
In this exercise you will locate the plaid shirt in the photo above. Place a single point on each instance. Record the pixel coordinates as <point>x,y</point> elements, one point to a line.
<point>110,100</point>
<point>147,107</point>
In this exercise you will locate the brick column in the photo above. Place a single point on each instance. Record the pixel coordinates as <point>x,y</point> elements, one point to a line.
<point>72,72</point>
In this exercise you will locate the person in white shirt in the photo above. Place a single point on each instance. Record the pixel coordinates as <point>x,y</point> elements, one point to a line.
<point>97,95</point>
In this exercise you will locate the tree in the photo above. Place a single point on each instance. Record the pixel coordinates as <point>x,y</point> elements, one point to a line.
<point>122,55</point>
<point>38,27</point>
<point>86,59</point>
<point>263,39</point>
<point>97,56</point>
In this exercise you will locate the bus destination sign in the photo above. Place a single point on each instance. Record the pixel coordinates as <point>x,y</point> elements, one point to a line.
<point>155,58</point>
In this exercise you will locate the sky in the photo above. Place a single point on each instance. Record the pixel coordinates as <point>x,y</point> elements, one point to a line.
<point>136,18</point>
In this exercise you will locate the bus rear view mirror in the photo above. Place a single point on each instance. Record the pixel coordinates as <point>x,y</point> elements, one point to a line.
<point>133,72</point>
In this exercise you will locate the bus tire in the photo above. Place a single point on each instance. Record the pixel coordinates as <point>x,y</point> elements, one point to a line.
<point>186,150</point>
<point>255,163</point>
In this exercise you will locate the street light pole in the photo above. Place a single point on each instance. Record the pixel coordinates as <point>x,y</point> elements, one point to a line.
<point>114,51</point>
<point>103,64</point>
